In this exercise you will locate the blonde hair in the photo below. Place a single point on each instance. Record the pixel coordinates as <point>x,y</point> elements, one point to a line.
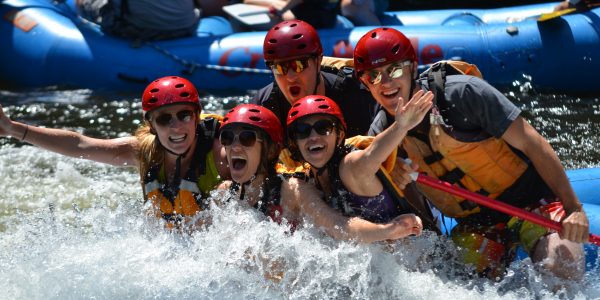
<point>150,151</point>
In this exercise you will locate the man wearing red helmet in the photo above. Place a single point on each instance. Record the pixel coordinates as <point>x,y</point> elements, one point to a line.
<point>293,51</point>
<point>179,158</point>
<point>475,138</point>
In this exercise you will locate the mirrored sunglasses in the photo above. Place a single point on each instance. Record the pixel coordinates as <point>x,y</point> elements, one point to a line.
<point>246,137</point>
<point>297,65</point>
<point>183,116</point>
<point>394,71</point>
<point>303,130</point>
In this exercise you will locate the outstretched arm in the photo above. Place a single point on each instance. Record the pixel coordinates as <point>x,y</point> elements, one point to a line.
<point>525,138</point>
<point>358,163</point>
<point>117,152</point>
<point>305,198</point>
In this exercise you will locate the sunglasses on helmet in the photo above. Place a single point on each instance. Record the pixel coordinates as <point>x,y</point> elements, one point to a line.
<point>182,115</point>
<point>394,71</point>
<point>303,130</point>
<point>246,137</point>
<point>282,68</point>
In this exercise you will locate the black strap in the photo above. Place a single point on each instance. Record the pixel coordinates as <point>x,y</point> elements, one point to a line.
<point>433,158</point>
<point>454,176</point>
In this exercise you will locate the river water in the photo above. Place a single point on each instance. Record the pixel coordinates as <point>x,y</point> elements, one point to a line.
<point>72,229</point>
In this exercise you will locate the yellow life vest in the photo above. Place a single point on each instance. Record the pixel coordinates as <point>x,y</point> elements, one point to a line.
<point>178,205</point>
<point>488,167</point>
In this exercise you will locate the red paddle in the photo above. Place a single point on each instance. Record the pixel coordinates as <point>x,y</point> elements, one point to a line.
<point>493,204</point>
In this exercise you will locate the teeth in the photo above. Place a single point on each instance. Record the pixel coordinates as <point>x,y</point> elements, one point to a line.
<point>387,93</point>
<point>237,157</point>
<point>177,138</point>
<point>315,147</point>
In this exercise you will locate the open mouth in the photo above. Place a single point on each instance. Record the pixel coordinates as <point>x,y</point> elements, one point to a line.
<point>177,139</point>
<point>295,90</point>
<point>316,148</point>
<point>238,163</point>
<point>390,93</point>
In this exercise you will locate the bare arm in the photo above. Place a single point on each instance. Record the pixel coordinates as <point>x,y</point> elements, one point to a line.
<point>525,138</point>
<point>310,205</point>
<point>117,152</point>
<point>358,164</point>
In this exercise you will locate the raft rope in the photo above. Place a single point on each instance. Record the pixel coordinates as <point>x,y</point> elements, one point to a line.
<point>192,66</point>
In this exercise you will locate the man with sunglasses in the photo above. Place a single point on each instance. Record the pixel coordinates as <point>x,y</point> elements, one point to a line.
<point>293,51</point>
<point>476,139</point>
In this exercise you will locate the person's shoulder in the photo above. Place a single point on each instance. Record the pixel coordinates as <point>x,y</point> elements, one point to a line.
<point>263,95</point>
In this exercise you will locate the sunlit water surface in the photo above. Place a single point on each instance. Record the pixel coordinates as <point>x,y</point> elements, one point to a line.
<point>72,229</point>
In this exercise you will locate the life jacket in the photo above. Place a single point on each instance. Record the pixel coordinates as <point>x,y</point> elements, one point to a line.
<point>177,203</point>
<point>488,166</point>
<point>270,200</point>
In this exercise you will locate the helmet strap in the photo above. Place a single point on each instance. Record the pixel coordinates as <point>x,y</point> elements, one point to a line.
<point>318,79</point>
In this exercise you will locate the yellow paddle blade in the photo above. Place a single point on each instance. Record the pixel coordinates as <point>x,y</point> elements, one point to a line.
<point>555,14</point>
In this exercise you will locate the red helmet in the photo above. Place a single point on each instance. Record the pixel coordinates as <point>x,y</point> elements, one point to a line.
<point>291,39</point>
<point>169,90</point>
<point>312,105</point>
<point>257,116</point>
<point>381,46</point>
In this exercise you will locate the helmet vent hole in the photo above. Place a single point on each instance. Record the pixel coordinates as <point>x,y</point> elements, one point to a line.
<point>324,106</point>
<point>272,41</point>
<point>296,105</point>
<point>179,85</point>
<point>294,25</point>
<point>293,114</point>
<point>276,28</point>
<point>395,48</point>
<point>297,36</point>
<point>154,91</point>
<point>254,110</point>
<point>184,95</point>
<point>319,100</point>
<point>255,119</point>
<point>225,119</point>
<point>152,100</point>
<point>301,46</point>
<point>360,60</point>
<point>374,35</point>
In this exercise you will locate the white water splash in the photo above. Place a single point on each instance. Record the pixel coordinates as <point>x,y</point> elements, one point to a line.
<point>74,229</point>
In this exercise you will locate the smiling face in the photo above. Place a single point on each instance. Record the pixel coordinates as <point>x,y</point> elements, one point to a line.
<point>175,126</point>
<point>243,155</point>
<point>318,147</point>
<point>295,84</point>
<point>387,90</point>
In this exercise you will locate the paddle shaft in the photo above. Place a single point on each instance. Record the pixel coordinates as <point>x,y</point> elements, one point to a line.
<point>495,204</point>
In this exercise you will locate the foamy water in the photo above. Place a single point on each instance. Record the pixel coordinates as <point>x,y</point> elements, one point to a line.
<point>73,229</point>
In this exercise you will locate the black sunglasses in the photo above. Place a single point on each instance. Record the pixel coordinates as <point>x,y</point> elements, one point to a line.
<point>183,116</point>
<point>302,130</point>
<point>246,137</point>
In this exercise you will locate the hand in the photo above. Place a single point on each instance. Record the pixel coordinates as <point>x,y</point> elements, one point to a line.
<point>5,123</point>
<point>576,227</point>
<point>411,114</point>
<point>401,173</point>
<point>405,225</point>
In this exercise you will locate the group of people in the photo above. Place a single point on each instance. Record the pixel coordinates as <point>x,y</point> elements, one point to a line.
<point>159,20</point>
<point>287,154</point>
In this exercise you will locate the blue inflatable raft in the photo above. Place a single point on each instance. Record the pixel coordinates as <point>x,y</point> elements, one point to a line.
<point>45,43</point>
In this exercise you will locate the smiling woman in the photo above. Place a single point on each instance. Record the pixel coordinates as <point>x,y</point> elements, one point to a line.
<point>175,151</point>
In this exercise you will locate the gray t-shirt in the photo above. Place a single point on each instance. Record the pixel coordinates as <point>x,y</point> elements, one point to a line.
<point>472,107</point>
